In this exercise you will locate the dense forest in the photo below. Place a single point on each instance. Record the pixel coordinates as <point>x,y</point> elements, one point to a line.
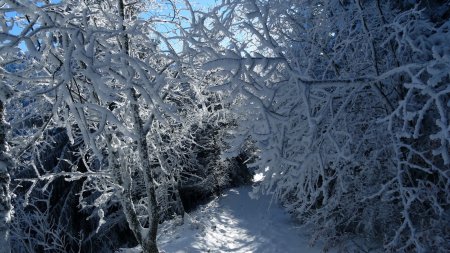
<point>119,115</point>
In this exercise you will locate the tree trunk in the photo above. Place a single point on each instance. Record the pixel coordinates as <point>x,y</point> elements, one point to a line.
<point>146,239</point>
<point>180,208</point>
<point>149,242</point>
<point>5,195</point>
<point>149,246</point>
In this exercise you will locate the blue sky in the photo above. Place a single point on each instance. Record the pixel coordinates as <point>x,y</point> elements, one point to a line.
<point>163,28</point>
<point>170,29</point>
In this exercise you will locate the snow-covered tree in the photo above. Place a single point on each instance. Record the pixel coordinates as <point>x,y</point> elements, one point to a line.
<point>6,164</point>
<point>347,102</point>
<point>133,113</point>
<point>101,88</point>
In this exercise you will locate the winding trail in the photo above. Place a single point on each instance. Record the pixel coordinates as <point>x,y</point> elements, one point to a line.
<point>234,223</point>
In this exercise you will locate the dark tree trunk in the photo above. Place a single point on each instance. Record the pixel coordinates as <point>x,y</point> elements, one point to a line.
<point>5,195</point>
<point>147,239</point>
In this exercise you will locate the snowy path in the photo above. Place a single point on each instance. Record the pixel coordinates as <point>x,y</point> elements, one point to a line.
<point>235,223</point>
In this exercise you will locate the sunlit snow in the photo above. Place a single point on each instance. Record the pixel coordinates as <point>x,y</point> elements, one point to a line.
<point>234,223</point>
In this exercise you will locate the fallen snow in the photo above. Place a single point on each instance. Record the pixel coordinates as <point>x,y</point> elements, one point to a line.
<point>234,223</point>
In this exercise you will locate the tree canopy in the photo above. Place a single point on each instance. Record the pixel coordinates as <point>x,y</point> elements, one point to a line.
<point>340,107</point>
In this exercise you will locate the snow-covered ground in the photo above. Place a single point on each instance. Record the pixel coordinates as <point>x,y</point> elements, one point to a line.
<point>234,223</point>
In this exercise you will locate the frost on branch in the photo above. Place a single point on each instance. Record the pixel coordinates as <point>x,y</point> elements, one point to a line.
<point>352,118</point>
